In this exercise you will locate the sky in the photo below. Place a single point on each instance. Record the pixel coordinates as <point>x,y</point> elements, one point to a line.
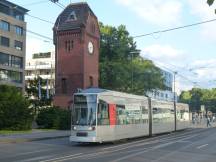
<point>191,52</point>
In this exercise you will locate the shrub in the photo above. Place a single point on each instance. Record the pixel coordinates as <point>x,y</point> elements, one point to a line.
<point>54,118</point>
<point>15,113</point>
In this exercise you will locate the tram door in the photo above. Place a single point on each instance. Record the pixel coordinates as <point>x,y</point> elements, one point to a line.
<point>112,114</point>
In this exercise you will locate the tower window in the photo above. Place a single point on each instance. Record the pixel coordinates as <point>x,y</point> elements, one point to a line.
<point>93,27</point>
<point>64,85</point>
<point>91,81</point>
<point>72,16</point>
<point>69,45</point>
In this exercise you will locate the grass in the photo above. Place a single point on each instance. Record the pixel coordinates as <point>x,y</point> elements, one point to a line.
<point>7,132</point>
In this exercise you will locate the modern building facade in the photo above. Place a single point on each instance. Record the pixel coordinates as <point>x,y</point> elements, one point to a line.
<point>12,44</point>
<point>42,65</point>
<point>167,94</point>
<point>77,42</point>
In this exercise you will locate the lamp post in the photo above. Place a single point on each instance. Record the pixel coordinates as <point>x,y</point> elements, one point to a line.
<point>132,55</point>
<point>174,97</point>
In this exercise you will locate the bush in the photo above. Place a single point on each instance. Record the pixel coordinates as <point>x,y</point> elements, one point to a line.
<point>15,113</point>
<point>54,118</point>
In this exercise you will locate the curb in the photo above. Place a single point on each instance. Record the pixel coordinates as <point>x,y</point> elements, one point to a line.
<point>21,140</point>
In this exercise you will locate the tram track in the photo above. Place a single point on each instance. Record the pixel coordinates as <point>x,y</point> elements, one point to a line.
<point>159,141</point>
<point>158,137</point>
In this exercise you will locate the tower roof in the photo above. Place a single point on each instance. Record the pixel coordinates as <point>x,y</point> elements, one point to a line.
<point>74,16</point>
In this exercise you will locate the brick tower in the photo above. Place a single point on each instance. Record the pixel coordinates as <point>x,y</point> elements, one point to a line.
<point>77,41</point>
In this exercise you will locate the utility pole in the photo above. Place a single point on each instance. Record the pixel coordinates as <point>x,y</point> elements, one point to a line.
<point>132,56</point>
<point>174,97</point>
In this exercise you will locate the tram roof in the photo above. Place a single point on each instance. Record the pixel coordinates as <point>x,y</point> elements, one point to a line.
<point>94,90</point>
<point>109,92</point>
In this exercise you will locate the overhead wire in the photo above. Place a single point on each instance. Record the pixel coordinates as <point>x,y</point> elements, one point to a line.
<point>35,17</point>
<point>35,3</point>
<point>58,4</point>
<point>176,28</point>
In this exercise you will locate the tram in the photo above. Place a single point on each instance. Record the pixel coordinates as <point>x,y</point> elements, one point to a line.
<point>100,115</point>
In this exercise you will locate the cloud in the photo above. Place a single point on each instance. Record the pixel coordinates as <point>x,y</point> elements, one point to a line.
<point>34,45</point>
<point>204,12</point>
<point>158,12</point>
<point>163,53</point>
<point>199,73</point>
<point>205,70</point>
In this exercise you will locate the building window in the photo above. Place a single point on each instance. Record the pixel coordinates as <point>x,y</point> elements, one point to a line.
<point>15,77</point>
<point>16,62</point>
<point>3,75</point>
<point>19,30</point>
<point>72,16</point>
<point>4,25</point>
<point>4,59</point>
<point>4,9</point>
<point>5,41</point>
<point>93,27</point>
<point>64,85</point>
<point>11,76</point>
<point>18,15</point>
<point>91,81</point>
<point>69,45</point>
<point>18,45</point>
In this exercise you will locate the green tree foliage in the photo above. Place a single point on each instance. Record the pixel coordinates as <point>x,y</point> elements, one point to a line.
<point>15,113</point>
<point>121,66</point>
<point>197,97</point>
<point>54,118</point>
<point>32,93</point>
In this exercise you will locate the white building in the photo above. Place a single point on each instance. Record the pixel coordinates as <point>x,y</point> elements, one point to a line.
<point>42,65</point>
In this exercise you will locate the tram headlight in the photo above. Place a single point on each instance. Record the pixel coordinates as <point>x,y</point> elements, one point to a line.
<point>91,128</point>
<point>74,128</point>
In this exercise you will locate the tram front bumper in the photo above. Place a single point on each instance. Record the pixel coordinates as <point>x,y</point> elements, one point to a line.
<point>84,139</point>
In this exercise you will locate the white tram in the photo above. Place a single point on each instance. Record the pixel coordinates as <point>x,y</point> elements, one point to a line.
<point>100,115</point>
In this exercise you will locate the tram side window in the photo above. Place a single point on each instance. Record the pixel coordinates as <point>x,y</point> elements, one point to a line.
<point>162,115</point>
<point>144,114</point>
<point>121,114</point>
<point>103,113</point>
<point>157,115</point>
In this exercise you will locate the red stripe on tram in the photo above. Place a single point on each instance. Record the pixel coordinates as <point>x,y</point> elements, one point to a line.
<point>112,114</point>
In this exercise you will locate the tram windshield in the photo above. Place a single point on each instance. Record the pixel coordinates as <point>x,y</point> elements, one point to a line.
<point>84,110</point>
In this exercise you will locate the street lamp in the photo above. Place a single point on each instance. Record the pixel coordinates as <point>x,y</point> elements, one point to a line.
<point>132,55</point>
<point>174,97</point>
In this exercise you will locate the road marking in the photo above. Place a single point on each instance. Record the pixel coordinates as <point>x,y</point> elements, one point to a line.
<point>151,149</point>
<point>160,137</point>
<point>180,137</point>
<point>142,142</point>
<point>202,146</point>
<point>60,158</point>
<point>32,152</point>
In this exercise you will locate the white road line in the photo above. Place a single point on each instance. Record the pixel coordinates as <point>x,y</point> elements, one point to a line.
<point>59,158</point>
<point>83,156</point>
<point>32,152</point>
<point>199,147</point>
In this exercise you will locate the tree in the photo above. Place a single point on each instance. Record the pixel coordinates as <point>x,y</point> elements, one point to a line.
<point>54,118</point>
<point>15,113</point>
<point>121,66</point>
<point>197,97</point>
<point>210,2</point>
<point>32,91</point>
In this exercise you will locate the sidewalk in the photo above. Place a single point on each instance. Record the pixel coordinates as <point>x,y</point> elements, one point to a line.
<point>202,124</point>
<point>35,135</point>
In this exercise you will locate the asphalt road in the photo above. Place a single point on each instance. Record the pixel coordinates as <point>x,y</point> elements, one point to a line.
<point>194,145</point>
